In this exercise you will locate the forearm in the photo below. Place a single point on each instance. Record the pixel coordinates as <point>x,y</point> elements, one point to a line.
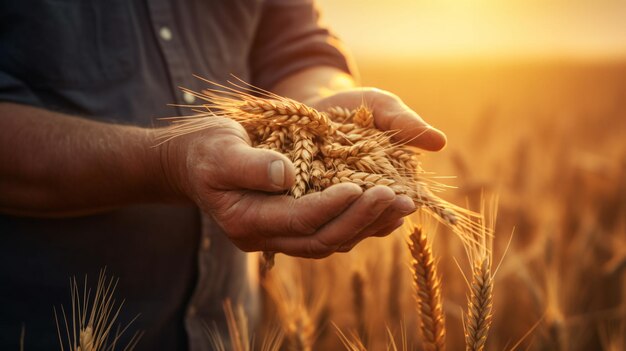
<point>57,165</point>
<point>313,83</point>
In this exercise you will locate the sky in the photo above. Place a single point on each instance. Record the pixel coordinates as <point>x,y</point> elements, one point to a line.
<point>584,29</point>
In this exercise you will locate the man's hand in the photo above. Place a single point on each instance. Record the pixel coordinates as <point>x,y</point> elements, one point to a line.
<point>69,166</point>
<point>390,113</point>
<point>323,87</point>
<point>241,186</point>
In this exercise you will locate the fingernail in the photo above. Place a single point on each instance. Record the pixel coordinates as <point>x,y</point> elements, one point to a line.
<point>406,205</point>
<point>277,173</point>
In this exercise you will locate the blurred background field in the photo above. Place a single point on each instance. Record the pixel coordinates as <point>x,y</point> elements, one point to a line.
<point>509,101</point>
<point>533,99</point>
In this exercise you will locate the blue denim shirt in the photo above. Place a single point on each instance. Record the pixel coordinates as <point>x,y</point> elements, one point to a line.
<point>122,61</point>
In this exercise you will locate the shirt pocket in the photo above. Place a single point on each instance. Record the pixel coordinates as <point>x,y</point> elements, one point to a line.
<point>65,43</point>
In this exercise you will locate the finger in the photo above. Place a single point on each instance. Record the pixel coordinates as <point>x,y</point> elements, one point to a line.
<point>237,165</point>
<point>284,216</point>
<point>365,210</point>
<point>401,206</point>
<point>390,228</point>
<point>392,114</point>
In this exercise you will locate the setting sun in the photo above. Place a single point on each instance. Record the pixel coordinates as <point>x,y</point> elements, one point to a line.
<point>481,28</point>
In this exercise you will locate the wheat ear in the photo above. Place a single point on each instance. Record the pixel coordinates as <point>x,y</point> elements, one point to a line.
<point>480,302</point>
<point>428,290</point>
<point>479,307</point>
<point>92,319</point>
<point>351,341</point>
<point>297,317</point>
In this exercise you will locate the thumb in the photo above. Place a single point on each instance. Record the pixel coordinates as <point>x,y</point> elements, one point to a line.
<point>245,167</point>
<point>392,114</point>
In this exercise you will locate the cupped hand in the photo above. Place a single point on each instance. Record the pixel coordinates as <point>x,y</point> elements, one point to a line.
<point>390,114</point>
<point>242,188</point>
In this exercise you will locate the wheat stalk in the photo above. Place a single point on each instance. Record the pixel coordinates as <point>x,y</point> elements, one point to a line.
<point>480,302</point>
<point>92,318</point>
<point>239,335</point>
<point>479,314</point>
<point>351,342</point>
<point>297,316</point>
<point>358,302</point>
<point>428,290</point>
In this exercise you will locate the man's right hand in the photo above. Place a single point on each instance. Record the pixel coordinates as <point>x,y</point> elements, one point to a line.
<point>242,188</point>
<point>54,165</point>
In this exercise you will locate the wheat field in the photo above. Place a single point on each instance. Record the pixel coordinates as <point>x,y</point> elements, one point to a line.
<point>547,272</point>
<point>549,138</point>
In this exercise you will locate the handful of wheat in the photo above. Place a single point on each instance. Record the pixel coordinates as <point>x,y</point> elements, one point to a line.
<point>326,147</point>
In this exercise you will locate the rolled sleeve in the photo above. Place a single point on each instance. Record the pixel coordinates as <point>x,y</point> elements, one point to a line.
<point>289,38</point>
<point>14,90</point>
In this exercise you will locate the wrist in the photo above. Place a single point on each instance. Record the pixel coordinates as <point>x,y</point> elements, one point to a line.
<point>165,168</point>
<point>312,84</point>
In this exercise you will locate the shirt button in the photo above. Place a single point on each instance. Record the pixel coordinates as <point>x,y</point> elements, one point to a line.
<point>188,97</point>
<point>206,243</point>
<point>165,33</point>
